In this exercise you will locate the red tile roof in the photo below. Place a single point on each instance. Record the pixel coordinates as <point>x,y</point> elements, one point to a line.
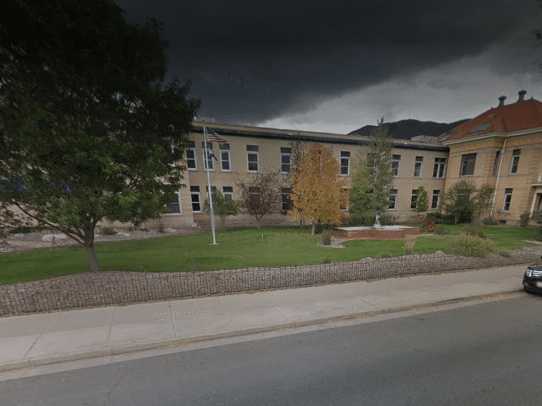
<point>521,115</point>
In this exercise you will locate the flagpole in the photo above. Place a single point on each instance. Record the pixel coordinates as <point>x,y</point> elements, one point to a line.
<point>209,190</point>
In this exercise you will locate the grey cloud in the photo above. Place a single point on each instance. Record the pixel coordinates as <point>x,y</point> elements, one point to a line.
<point>252,61</point>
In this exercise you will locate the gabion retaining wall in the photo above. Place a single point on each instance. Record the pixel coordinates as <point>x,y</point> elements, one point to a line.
<point>109,288</point>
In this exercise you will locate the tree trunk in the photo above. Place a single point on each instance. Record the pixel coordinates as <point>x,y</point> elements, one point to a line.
<point>4,242</point>
<point>313,228</point>
<point>92,259</point>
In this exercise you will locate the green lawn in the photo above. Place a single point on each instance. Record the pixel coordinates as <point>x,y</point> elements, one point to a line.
<point>236,249</point>
<point>506,238</point>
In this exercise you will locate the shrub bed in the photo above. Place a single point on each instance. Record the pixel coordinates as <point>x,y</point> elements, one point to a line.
<point>469,245</point>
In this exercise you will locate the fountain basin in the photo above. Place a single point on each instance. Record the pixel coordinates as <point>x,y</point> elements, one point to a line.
<point>391,232</point>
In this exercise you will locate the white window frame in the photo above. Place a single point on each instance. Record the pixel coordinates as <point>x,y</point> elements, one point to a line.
<point>398,161</point>
<point>198,193</point>
<point>440,164</point>
<point>508,192</point>
<point>347,156</point>
<point>225,151</point>
<point>285,192</point>
<point>192,148</point>
<point>230,194</point>
<point>433,198</point>
<point>418,165</point>
<point>414,193</point>
<point>289,155</point>
<point>257,153</point>
<point>461,166</point>
<point>396,196</point>
<point>515,157</point>
<point>180,212</point>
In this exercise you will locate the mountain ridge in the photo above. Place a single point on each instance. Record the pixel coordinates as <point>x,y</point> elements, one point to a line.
<point>408,128</point>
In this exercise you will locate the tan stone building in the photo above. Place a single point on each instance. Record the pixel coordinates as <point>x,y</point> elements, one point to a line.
<point>501,147</point>
<point>246,150</point>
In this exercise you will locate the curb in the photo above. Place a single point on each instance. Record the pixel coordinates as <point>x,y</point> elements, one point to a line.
<point>134,348</point>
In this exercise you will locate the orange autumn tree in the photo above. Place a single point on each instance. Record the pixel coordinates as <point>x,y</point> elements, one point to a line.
<point>316,189</point>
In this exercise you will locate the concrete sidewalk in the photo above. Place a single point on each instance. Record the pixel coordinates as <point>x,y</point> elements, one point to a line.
<point>42,339</point>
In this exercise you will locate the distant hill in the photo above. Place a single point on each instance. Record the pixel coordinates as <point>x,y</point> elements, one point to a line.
<point>406,129</point>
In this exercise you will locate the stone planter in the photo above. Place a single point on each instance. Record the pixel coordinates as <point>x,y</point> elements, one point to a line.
<point>375,233</point>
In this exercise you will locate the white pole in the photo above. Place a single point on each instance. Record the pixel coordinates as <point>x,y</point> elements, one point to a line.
<point>494,199</point>
<point>209,189</point>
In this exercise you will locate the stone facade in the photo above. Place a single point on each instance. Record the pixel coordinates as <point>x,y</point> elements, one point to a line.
<point>270,143</point>
<point>502,148</point>
<point>115,288</point>
<point>525,184</point>
<point>494,137</point>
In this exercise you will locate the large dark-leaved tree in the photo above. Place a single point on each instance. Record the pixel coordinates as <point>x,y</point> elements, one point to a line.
<point>89,128</point>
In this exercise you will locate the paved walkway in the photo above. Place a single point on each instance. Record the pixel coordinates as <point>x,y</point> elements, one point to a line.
<point>40,339</point>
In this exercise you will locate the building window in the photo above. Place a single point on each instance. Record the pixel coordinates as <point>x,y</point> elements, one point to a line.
<point>393,199</point>
<point>225,160</point>
<point>418,166</point>
<point>439,168</point>
<point>435,199</point>
<point>345,163</point>
<point>515,161</point>
<point>174,206</point>
<point>285,159</point>
<point>371,162</point>
<point>227,191</point>
<point>414,199</point>
<point>496,163</point>
<point>252,158</point>
<point>344,198</point>
<point>191,163</point>
<point>395,159</point>
<point>253,196</point>
<point>468,161</point>
<point>195,197</point>
<point>210,156</point>
<point>286,200</point>
<point>507,199</point>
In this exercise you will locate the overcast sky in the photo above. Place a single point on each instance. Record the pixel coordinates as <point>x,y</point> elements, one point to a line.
<point>337,65</point>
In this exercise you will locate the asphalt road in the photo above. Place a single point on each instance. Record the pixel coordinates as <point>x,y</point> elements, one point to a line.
<point>486,354</point>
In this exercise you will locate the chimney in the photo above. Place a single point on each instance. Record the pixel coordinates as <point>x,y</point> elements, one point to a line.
<point>521,95</point>
<point>501,100</point>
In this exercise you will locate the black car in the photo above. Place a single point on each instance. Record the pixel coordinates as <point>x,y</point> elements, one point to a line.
<point>532,279</point>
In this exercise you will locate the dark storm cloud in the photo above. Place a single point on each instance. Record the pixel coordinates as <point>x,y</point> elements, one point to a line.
<point>251,61</point>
